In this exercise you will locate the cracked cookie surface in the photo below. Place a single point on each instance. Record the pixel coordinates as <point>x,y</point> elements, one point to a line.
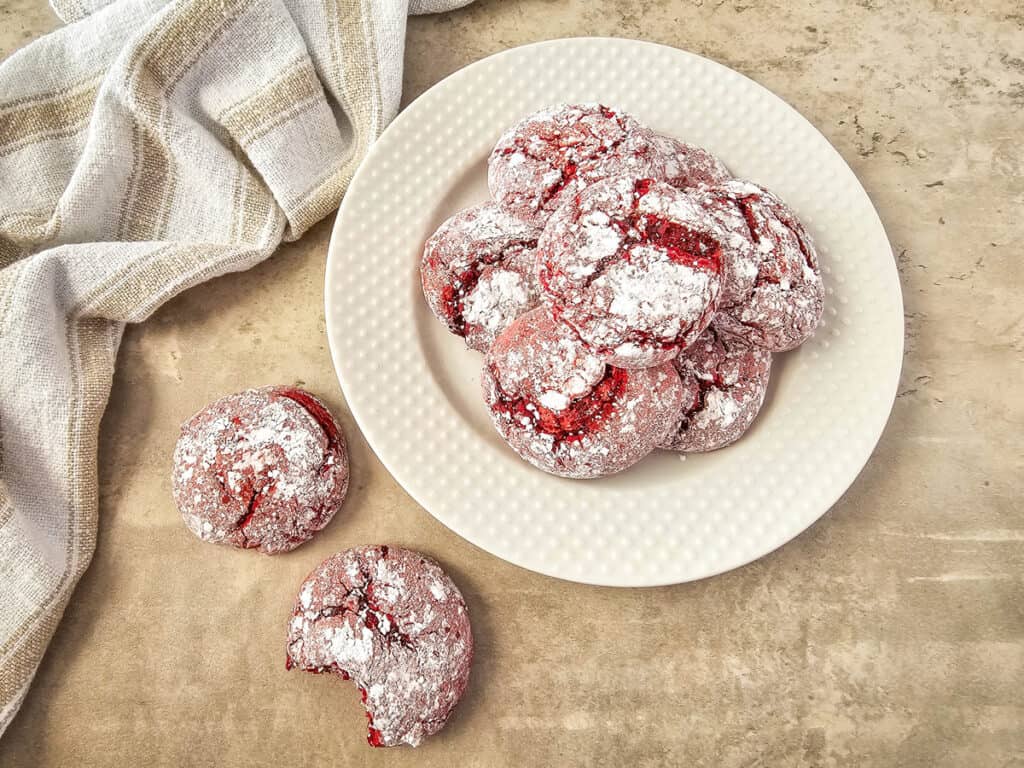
<point>725,379</point>
<point>393,622</point>
<point>564,410</point>
<point>687,165</point>
<point>260,469</point>
<point>779,304</point>
<point>551,155</point>
<point>477,273</point>
<point>634,267</point>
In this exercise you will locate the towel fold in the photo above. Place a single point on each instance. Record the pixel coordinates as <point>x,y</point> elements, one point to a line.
<point>145,147</point>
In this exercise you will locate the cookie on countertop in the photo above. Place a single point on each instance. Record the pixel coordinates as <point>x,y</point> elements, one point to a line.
<point>394,623</point>
<point>261,469</point>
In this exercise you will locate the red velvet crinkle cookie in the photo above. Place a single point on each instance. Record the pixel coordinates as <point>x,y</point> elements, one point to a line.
<point>687,165</point>
<point>478,273</point>
<point>784,302</point>
<point>740,258</point>
<point>567,412</point>
<point>725,380</point>
<point>634,267</point>
<point>554,153</point>
<point>392,621</point>
<point>262,469</point>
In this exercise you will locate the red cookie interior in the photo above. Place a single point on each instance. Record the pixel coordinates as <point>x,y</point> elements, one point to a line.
<point>478,274</point>
<point>634,267</point>
<point>565,410</point>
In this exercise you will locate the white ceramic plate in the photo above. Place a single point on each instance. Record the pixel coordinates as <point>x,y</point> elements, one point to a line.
<point>414,388</point>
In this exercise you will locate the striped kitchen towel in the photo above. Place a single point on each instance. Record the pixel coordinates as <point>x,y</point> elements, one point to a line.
<point>145,147</point>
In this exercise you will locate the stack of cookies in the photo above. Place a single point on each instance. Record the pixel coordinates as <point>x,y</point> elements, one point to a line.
<point>627,291</point>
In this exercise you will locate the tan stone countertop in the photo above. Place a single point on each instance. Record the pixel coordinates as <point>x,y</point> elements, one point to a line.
<point>891,633</point>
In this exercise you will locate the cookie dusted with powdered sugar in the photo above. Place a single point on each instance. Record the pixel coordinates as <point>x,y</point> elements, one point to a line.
<point>634,267</point>
<point>261,469</point>
<point>740,257</point>
<point>554,153</point>
<point>725,379</point>
<point>393,622</point>
<point>477,273</point>
<point>687,165</point>
<point>567,412</point>
<point>784,301</point>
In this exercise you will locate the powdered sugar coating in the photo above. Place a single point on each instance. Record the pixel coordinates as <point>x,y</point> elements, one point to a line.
<point>477,273</point>
<point>786,300</point>
<point>554,153</point>
<point>633,266</point>
<point>395,623</point>
<point>687,165</point>
<point>726,380</point>
<point>567,412</point>
<point>740,257</point>
<point>264,468</point>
